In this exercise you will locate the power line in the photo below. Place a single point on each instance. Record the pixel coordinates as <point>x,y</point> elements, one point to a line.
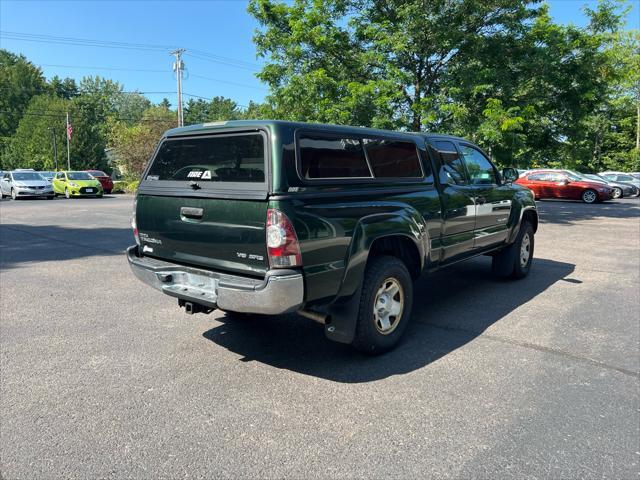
<point>85,42</point>
<point>124,69</point>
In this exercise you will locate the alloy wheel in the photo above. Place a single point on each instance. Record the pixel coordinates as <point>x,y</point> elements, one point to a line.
<point>589,196</point>
<point>388,306</point>
<point>525,250</point>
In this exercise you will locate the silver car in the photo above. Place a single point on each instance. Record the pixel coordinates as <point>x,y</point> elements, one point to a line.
<point>619,189</point>
<point>621,177</point>
<point>24,184</point>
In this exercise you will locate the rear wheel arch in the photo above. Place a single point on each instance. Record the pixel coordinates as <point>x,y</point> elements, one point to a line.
<point>401,247</point>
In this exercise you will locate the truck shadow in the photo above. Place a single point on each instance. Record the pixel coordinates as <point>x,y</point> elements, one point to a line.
<point>451,308</point>
<point>22,244</point>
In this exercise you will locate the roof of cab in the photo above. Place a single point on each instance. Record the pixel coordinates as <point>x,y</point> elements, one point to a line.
<point>221,125</point>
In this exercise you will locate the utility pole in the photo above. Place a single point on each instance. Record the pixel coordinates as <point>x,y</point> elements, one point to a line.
<point>178,67</point>
<point>69,130</point>
<point>55,147</point>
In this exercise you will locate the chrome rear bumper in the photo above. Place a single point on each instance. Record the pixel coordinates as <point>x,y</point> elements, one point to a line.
<point>281,291</point>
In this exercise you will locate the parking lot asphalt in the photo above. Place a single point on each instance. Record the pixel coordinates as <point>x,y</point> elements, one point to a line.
<point>103,377</point>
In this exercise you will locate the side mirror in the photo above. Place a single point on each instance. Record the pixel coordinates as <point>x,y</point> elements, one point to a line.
<point>509,174</point>
<point>564,182</point>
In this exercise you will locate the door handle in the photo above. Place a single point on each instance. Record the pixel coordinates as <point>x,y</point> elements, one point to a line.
<point>480,200</point>
<point>191,213</point>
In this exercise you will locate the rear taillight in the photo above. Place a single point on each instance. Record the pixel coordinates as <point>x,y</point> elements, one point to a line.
<point>134,225</point>
<point>282,241</point>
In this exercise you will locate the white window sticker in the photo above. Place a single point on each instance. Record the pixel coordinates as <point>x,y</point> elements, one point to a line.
<point>194,174</point>
<point>206,175</point>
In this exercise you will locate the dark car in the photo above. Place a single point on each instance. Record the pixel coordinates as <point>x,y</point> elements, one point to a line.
<point>564,185</point>
<point>103,178</point>
<point>335,223</point>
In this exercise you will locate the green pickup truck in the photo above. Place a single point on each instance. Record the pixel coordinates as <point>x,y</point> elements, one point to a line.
<point>332,222</point>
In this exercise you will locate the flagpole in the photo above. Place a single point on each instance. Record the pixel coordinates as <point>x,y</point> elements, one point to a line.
<point>68,153</point>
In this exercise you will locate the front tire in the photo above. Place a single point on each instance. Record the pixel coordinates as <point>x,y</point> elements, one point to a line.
<point>617,193</point>
<point>67,194</point>
<point>14,195</point>
<point>385,305</point>
<point>589,196</point>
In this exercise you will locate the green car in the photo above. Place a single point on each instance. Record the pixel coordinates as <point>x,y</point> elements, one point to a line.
<point>76,184</point>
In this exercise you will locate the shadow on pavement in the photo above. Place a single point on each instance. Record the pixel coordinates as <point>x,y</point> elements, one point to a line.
<point>451,308</point>
<point>30,243</point>
<point>568,212</point>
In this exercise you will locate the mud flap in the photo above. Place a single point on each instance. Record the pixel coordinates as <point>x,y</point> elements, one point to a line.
<point>503,262</point>
<point>343,315</point>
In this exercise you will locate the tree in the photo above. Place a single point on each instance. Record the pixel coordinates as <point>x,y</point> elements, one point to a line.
<point>196,111</point>
<point>20,81</point>
<point>378,63</point>
<point>219,108</point>
<point>134,144</point>
<point>66,88</point>
<point>31,146</point>
<point>500,72</point>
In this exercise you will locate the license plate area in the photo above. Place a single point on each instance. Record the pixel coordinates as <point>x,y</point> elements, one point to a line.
<point>199,288</point>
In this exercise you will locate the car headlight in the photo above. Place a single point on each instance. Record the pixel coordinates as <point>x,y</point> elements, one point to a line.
<point>71,184</point>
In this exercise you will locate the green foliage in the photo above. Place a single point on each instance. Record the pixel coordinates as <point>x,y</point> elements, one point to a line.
<point>219,108</point>
<point>134,144</point>
<point>20,81</point>
<point>31,146</point>
<point>500,72</point>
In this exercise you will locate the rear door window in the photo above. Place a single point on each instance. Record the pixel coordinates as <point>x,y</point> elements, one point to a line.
<point>218,159</point>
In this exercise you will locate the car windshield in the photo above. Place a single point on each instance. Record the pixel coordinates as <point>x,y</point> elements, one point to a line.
<point>98,173</point>
<point>79,176</point>
<point>625,178</point>
<point>573,175</point>
<point>26,176</point>
<point>47,174</point>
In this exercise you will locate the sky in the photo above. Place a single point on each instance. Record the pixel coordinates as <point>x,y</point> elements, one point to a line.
<point>220,59</point>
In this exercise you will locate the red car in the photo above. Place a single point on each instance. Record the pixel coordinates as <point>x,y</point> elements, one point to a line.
<point>103,178</point>
<point>562,184</point>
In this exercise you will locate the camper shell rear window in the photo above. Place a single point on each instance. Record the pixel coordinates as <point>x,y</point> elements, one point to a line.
<point>237,158</point>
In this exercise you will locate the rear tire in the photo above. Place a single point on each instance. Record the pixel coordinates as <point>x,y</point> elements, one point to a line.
<point>385,305</point>
<point>515,260</point>
<point>589,196</point>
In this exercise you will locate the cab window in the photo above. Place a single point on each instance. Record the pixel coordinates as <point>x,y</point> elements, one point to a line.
<point>452,170</point>
<point>481,171</point>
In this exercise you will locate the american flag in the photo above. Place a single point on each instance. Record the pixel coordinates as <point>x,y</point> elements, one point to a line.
<point>69,128</point>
